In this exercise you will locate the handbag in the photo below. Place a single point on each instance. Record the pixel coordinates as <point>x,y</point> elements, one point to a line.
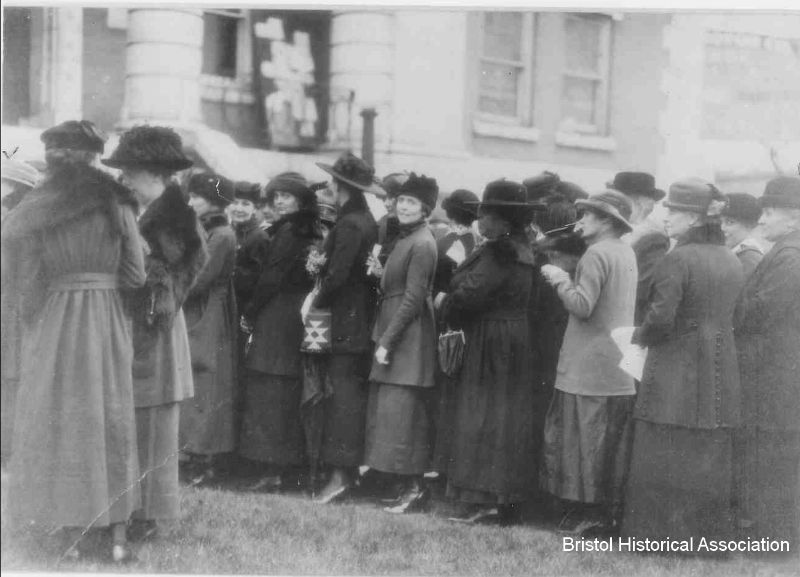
<point>451,352</point>
<point>316,326</point>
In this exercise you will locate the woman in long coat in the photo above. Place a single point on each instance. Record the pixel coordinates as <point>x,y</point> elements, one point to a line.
<point>491,465</point>
<point>688,402</point>
<point>74,461</point>
<point>149,156</point>
<point>349,294</point>
<point>398,426</point>
<point>272,428</point>
<point>768,340</point>
<point>207,426</point>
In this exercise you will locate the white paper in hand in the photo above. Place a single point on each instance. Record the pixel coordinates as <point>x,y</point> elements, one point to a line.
<point>457,252</point>
<point>633,356</point>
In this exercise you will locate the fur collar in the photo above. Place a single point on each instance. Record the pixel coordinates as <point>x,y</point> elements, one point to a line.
<point>304,223</point>
<point>509,249</point>
<point>171,214</point>
<point>356,203</point>
<point>213,220</point>
<point>67,193</point>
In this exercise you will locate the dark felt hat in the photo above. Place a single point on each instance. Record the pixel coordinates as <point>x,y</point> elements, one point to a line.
<point>214,188</point>
<point>509,200</point>
<point>247,191</point>
<point>691,195</point>
<point>612,203</point>
<point>149,147</point>
<point>743,207</point>
<point>541,186</point>
<point>75,135</point>
<point>461,206</point>
<point>293,183</point>
<point>354,171</point>
<point>782,192</point>
<point>636,183</point>
<point>424,189</point>
<point>391,183</point>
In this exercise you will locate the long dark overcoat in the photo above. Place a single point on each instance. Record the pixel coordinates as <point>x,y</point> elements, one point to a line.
<point>345,287</point>
<point>691,376</point>
<point>251,246</point>
<point>405,324</point>
<point>274,308</point>
<point>207,420</point>
<point>492,448</point>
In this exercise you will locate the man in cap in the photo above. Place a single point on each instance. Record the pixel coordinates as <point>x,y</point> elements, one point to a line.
<point>767,325</point>
<point>587,428</point>
<point>648,239</point>
<point>739,219</point>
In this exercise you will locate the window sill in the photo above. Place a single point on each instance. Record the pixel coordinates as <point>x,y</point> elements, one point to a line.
<point>224,89</point>
<point>510,132</point>
<point>573,140</point>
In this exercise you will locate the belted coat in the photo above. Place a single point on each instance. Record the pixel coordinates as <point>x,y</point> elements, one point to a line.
<point>405,324</point>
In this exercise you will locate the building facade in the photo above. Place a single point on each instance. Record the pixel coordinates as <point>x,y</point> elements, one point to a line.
<point>466,96</point>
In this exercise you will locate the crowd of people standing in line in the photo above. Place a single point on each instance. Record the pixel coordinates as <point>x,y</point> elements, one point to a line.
<point>154,316</point>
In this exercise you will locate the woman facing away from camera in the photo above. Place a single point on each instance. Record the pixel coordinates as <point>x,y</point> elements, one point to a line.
<point>688,402</point>
<point>74,461</point>
<point>272,427</point>
<point>208,428</point>
<point>398,426</point>
<point>491,465</point>
<point>149,157</point>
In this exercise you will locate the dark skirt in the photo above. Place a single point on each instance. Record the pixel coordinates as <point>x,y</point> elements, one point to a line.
<point>768,491</point>
<point>680,483</point>
<point>157,438</point>
<point>444,397</point>
<point>272,425</point>
<point>345,410</point>
<point>587,441</point>
<point>398,429</point>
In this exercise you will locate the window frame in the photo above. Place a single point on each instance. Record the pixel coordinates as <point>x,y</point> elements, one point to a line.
<point>527,64</point>
<point>600,127</point>
<point>239,88</point>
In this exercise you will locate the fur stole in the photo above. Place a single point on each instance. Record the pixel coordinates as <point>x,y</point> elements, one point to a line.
<point>509,249</point>
<point>68,193</point>
<point>177,255</point>
<point>303,224</point>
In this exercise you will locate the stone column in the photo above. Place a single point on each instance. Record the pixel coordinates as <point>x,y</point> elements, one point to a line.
<point>163,65</point>
<point>62,68</point>
<point>362,58</point>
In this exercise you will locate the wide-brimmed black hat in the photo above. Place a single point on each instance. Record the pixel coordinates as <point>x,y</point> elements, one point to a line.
<point>461,205</point>
<point>548,184</point>
<point>636,183</point>
<point>149,147</point>
<point>354,171</point>
<point>424,189</point>
<point>782,192</point>
<point>508,199</point>
<point>215,188</point>
<point>75,135</point>
<point>742,207</point>
<point>612,203</point>
<point>247,191</point>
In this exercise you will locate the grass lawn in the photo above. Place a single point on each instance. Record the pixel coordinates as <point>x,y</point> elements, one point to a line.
<point>227,531</point>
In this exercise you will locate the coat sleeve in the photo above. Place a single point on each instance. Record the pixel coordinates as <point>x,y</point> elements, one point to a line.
<point>276,270</point>
<point>342,258</point>
<point>580,296</point>
<point>250,263</point>
<point>773,292</point>
<point>649,252</point>
<point>131,263</point>
<point>476,290</point>
<point>421,268</point>
<point>220,246</point>
<point>666,294</point>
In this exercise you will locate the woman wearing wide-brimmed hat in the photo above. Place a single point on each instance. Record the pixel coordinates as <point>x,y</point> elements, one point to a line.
<point>688,402</point>
<point>272,428</point>
<point>208,427</point>
<point>349,294</point>
<point>587,427</point>
<point>491,464</point>
<point>149,158</point>
<point>398,426</point>
<point>768,339</point>
<point>74,247</point>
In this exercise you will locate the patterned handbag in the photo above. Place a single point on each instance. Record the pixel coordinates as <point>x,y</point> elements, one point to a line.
<point>316,327</point>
